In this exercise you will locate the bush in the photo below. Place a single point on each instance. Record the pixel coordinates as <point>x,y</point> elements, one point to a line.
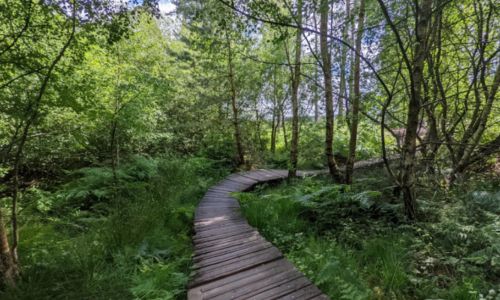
<point>100,239</point>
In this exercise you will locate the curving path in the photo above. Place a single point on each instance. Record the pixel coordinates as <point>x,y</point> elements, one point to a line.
<point>232,260</point>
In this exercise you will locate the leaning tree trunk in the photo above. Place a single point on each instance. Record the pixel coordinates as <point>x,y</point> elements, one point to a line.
<point>327,72</point>
<point>473,142</point>
<point>294,144</point>
<point>240,153</point>
<point>349,169</point>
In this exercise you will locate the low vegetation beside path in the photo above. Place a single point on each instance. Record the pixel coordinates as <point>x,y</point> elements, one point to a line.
<point>354,241</point>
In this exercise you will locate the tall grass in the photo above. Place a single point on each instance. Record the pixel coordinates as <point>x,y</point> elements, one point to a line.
<point>353,243</point>
<point>97,239</point>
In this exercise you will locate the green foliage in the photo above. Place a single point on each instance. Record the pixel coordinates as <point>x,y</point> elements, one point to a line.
<point>139,246</point>
<point>352,243</point>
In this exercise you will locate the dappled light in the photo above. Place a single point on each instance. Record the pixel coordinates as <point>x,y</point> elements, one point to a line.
<point>249,149</point>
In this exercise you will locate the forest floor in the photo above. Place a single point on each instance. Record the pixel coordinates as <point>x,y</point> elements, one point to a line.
<point>94,237</point>
<point>354,243</point>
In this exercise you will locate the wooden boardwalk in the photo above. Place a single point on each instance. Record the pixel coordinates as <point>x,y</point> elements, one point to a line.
<point>232,260</point>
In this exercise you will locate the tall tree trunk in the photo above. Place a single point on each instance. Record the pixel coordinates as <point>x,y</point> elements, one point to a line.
<point>276,117</point>
<point>114,147</point>
<point>343,62</point>
<point>350,91</point>
<point>258,133</point>
<point>294,145</point>
<point>273,129</point>
<point>316,77</point>
<point>349,169</point>
<point>240,158</point>
<point>283,124</point>
<point>327,73</point>
<point>424,13</point>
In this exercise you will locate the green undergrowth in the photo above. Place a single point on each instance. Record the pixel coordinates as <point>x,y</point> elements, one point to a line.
<point>101,237</point>
<point>354,243</point>
<point>312,145</point>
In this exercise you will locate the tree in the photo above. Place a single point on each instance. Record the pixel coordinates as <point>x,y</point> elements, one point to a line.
<point>10,258</point>
<point>295,83</point>
<point>415,67</point>
<point>354,116</point>
<point>327,72</point>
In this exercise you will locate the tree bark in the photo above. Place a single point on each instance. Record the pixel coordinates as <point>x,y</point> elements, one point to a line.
<point>473,142</point>
<point>240,153</point>
<point>276,117</point>
<point>273,129</point>
<point>356,99</point>
<point>343,62</point>
<point>283,124</point>
<point>316,77</point>
<point>424,13</point>
<point>9,257</point>
<point>294,144</point>
<point>351,67</point>
<point>327,73</point>
<point>8,268</point>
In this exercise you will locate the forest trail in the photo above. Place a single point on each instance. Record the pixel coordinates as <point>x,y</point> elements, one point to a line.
<point>232,260</point>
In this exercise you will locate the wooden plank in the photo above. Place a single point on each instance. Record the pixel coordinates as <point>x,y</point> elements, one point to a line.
<point>218,197</point>
<point>255,288</point>
<point>279,174</point>
<point>251,277</point>
<point>232,260</point>
<point>224,238</point>
<point>222,285</point>
<point>219,205</point>
<point>205,228</point>
<point>212,273</point>
<point>239,177</point>
<point>212,200</point>
<point>230,249</point>
<point>221,230</point>
<point>215,220</point>
<point>221,234</point>
<point>221,244</point>
<point>211,210</point>
<point>217,224</point>
<point>231,185</point>
<point>241,253</point>
<point>217,213</point>
<point>242,180</point>
<point>260,175</point>
<point>213,194</point>
<point>250,259</point>
<point>209,245</point>
<point>285,287</point>
<point>221,189</point>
